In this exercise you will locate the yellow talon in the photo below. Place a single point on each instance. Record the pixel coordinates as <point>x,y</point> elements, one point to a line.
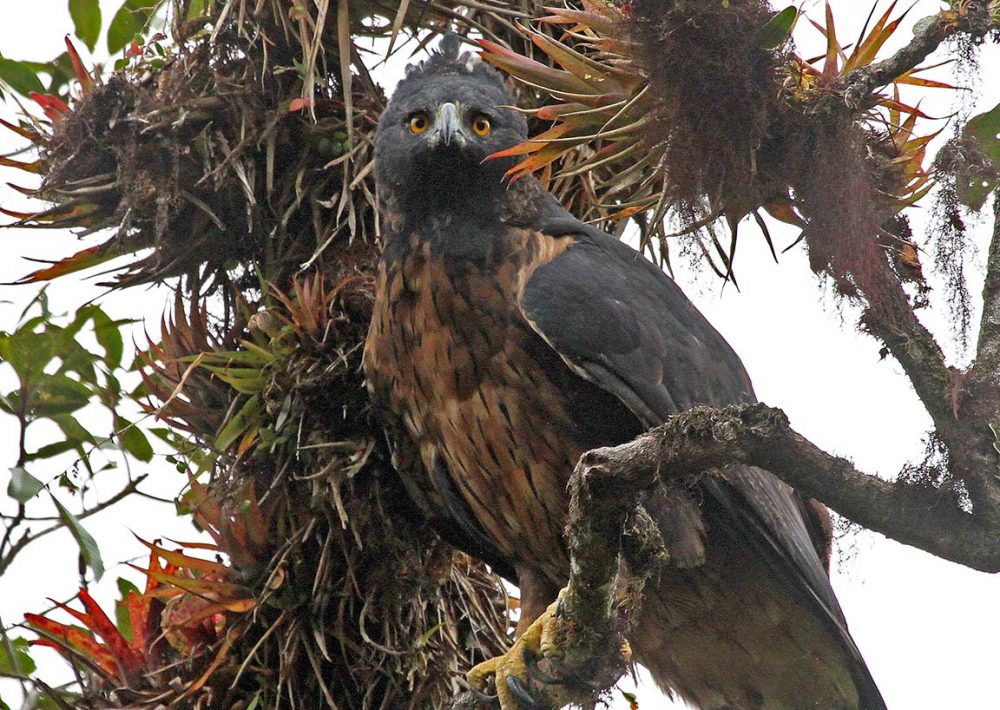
<point>540,641</point>
<point>537,640</point>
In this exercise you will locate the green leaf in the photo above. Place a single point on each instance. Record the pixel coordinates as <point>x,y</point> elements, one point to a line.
<point>86,16</point>
<point>88,546</point>
<point>125,587</point>
<point>72,429</point>
<point>778,29</point>
<point>985,128</point>
<point>130,20</point>
<point>15,659</point>
<point>19,77</point>
<point>197,8</point>
<point>247,416</point>
<point>133,440</point>
<point>974,186</point>
<point>60,70</point>
<point>23,486</point>
<point>28,353</point>
<point>60,701</point>
<point>109,337</point>
<point>973,192</point>
<point>53,449</point>
<point>59,394</point>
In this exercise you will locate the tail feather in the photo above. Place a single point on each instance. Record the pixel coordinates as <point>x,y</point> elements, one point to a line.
<point>747,628</point>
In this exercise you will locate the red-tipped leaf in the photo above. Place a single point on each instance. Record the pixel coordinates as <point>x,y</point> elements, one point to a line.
<point>82,75</point>
<point>54,107</point>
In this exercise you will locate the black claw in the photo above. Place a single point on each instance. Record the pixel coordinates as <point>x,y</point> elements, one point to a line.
<point>522,695</point>
<point>484,697</point>
<point>566,677</point>
<point>535,672</point>
<point>571,678</point>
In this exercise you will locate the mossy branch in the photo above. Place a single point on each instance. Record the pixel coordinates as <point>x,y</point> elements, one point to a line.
<point>862,83</point>
<point>757,435</point>
<point>975,21</point>
<point>987,366</point>
<point>961,404</point>
<point>980,413</point>
<point>890,317</point>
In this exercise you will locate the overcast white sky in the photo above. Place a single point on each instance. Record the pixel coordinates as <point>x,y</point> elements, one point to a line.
<point>927,628</point>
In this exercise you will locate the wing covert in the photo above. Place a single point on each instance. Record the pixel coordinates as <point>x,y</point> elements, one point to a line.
<point>613,315</point>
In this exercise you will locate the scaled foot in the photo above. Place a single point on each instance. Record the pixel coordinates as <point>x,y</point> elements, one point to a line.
<point>513,672</point>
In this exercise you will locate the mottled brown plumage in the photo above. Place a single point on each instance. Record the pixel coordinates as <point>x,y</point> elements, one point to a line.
<point>478,391</point>
<point>508,338</point>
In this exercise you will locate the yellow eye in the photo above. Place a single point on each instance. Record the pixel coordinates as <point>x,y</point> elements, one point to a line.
<point>419,123</point>
<point>481,126</point>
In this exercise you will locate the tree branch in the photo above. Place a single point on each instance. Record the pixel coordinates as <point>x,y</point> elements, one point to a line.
<point>890,318</point>
<point>986,369</point>
<point>862,83</point>
<point>889,315</point>
<point>606,524</point>
<point>7,556</point>
<point>608,484</point>
<point>960,414</point>
<point>981,394</point>
<point>704,438</point>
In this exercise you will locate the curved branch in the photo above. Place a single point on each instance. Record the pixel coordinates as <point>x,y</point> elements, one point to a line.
<point>608,485</point>
<point>705,438</point>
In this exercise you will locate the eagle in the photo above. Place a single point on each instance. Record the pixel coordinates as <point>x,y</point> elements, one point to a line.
<point>509,337</point>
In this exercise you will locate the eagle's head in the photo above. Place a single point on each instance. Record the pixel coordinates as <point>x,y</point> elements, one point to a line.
<point>446,116</point>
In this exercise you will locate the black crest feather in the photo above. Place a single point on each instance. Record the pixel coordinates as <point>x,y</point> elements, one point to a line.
<point>450,59</point>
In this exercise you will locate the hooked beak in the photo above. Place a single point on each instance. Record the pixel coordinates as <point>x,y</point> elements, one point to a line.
<point>448,125</point>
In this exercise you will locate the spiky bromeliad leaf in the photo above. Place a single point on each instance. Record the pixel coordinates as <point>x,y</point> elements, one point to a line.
<point>594,93</point>
<point>600,108</point>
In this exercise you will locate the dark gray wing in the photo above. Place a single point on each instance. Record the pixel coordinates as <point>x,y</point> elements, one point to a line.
<point>622,323</point>
<point>626,323</point>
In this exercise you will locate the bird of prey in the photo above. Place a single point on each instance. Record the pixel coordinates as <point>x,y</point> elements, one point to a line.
<point>508,338</point>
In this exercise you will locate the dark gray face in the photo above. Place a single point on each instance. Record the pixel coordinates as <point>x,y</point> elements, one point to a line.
<point>437,131</point>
